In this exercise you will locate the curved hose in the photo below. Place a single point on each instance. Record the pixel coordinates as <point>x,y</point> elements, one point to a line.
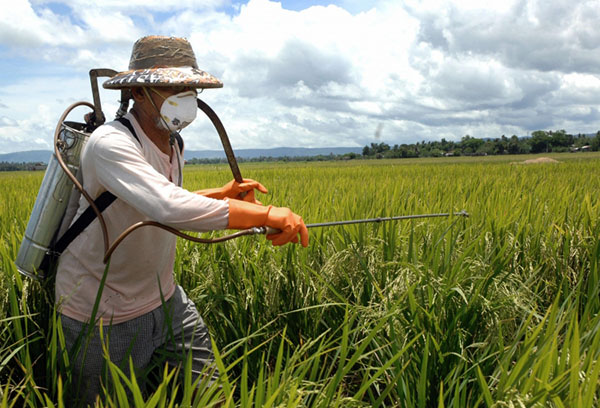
<point>62,164</point>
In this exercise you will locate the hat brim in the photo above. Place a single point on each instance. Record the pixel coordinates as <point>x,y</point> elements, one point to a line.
<point>156,77</point>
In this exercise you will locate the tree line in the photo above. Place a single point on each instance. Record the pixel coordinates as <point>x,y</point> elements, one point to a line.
<point>316,158</point>
<point>541,141</point>
<point>23,166</point>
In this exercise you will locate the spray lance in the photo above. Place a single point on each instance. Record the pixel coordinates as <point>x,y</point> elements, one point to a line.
<point>61,189</point>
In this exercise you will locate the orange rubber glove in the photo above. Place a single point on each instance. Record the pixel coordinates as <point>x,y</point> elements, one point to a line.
<point>243,215</point>
<point>233,189</point>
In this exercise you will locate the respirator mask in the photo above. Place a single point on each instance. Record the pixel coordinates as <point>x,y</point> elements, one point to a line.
<point>177,111</point>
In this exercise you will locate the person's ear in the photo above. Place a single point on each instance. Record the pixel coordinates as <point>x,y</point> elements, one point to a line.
<point>137,94</point>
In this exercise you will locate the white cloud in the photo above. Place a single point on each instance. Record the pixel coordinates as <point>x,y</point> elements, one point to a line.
<point>22,26</point>
<point>323,76</point>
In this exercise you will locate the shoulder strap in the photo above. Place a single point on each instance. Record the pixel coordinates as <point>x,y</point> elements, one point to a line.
<point>102,202</point>
<point>179,142</point>
<point>125,122</point>
<point>129,126</point>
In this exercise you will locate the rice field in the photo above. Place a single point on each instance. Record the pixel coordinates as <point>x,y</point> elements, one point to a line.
<point>500,309</point>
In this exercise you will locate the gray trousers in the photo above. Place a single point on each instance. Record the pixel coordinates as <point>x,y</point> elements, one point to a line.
<point>165,335</point>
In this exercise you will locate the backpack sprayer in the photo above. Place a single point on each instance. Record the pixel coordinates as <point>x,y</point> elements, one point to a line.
<point>59,194</point>
<point>58,197</point>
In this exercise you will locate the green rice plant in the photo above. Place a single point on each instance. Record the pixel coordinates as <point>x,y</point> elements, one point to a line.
<point>500,309</point>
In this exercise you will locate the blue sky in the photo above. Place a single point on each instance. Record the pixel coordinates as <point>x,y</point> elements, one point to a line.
<point>318,73</point>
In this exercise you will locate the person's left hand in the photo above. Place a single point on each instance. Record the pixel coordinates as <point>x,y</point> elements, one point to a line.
<point>285,225</point>
<point>235,190</point>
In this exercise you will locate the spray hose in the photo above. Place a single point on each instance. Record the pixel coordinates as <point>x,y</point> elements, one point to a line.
<point>110,248</point>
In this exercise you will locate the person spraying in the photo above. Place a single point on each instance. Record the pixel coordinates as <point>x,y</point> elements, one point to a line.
<point>138,159</point>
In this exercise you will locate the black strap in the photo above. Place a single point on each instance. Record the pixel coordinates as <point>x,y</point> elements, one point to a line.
<point>179,142</point>
<point>101,202</point>
<point>127,124</point>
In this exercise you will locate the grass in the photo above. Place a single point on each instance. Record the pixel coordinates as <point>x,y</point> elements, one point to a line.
<point>500,309</point>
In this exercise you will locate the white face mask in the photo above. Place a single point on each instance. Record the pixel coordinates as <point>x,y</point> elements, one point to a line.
<point>178,110</point>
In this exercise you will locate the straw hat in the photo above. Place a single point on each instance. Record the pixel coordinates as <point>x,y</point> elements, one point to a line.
<point>162,61</point>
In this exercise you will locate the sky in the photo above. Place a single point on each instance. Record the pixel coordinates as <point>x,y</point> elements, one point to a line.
<point>317,73</point>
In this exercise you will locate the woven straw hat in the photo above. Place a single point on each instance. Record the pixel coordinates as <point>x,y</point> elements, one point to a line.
<point>162,61</point>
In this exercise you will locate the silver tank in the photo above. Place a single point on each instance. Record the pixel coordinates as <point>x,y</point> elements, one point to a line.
<point>56,194</point>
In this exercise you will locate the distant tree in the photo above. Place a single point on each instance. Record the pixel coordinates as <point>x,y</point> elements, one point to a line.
<point>560,138</point>
<point>487,148</point>
<point>470,145</point>
<point>380,148</point>
<point>513,145</point>
<point>540,141</point>
<point>501,145</point>
<point>23,166</point>
<point>595,142</point>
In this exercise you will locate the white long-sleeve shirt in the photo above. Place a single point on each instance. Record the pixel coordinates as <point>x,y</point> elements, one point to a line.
<point>144,180</point>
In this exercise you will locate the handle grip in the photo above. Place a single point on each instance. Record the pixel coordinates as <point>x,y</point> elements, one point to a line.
<point>265,230</point>
<point>269,230</point>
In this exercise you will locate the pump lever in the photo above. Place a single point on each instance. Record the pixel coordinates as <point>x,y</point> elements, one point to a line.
<point>98,118</point>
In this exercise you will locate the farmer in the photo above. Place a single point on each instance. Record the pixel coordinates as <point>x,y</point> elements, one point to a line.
<point>141,311</point>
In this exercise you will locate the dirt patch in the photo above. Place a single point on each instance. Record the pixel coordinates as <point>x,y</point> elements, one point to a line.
<point>539,160</point>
